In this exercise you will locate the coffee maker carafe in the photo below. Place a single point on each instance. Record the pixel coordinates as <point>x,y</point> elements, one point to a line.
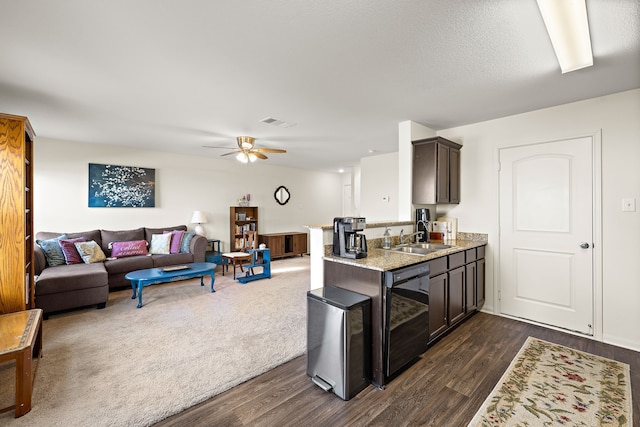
<point>347,242</point>
<point>423,216</point>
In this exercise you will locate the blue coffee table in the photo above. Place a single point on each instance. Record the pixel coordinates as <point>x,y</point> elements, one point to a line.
<point>151,276</point>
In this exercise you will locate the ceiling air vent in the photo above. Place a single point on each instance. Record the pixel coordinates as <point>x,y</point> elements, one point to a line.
<point>276,122</point>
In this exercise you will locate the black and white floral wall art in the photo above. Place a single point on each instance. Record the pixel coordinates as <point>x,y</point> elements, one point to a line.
<point>112,186</point>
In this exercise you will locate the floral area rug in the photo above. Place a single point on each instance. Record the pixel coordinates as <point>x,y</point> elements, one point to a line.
<point>550,384</point>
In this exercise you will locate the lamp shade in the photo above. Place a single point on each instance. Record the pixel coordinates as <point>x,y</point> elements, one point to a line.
<point>199,217</point>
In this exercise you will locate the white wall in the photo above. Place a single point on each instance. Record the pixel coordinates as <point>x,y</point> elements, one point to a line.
<point>380,173</point>
<point>183,184</point>
<point>617,116</point>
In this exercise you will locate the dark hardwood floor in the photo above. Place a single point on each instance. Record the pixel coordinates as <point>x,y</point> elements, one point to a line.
<point>445,387</point>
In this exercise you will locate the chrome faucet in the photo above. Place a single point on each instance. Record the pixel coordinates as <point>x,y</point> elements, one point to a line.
<point>417,233</point>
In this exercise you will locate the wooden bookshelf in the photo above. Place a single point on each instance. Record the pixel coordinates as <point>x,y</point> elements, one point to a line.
<point>17,290</point>
<point>241,220</point>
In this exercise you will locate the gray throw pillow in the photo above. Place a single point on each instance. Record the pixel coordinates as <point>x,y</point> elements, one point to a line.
<point>186,241</point>
<point>52,250</point>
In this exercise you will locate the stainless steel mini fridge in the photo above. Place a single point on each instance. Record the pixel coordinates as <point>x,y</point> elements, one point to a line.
<point>339,340</point>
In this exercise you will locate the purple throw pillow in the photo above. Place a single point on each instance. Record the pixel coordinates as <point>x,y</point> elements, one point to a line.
<point>125,249</point>
<point>176,240</point>
<point>71,255</point>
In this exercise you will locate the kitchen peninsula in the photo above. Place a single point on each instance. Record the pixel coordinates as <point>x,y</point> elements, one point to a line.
<point>451,290</point>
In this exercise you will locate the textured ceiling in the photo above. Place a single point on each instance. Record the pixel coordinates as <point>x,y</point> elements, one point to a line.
<point>176,75</point>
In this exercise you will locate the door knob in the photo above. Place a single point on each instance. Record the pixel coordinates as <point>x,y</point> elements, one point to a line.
<point>584,245</point>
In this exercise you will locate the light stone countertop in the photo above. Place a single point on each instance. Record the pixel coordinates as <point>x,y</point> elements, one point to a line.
<point>368,224</point>
<point>385,260</point>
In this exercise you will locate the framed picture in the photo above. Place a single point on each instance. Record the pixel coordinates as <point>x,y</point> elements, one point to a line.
<point>112,186</point>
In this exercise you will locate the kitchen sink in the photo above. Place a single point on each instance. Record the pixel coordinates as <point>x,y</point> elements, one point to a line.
<point>419,248</point>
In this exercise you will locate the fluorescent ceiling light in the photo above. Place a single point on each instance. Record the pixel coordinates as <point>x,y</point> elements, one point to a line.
<point>568,28</point>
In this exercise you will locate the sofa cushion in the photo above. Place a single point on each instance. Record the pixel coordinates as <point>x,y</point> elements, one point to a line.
<point>126,249</point>
<point>71,255</point>
<point>90,252</point>
<point>120,236</point>
<point>52,250</point>
<point>160,244</point>
<point>128,264</point>
<point>176,240</point>
<point>65,278</point>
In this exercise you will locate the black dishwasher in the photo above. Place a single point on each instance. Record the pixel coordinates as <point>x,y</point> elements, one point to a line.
<point>406,331</point>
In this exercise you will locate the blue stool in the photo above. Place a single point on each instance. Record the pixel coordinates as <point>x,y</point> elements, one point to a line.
<point>259,258</point>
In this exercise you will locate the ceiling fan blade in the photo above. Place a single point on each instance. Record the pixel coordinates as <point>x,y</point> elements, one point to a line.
<point>213,146</point>
<point>231,152</point>
<point>269,150</point>
<point>259,155</point>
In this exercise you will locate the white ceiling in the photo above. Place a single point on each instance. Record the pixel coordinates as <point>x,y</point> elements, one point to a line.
<point>175,75</point>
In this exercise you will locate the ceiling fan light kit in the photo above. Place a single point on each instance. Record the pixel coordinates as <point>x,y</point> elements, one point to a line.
<point>245,142</point>
<point>568,28</point>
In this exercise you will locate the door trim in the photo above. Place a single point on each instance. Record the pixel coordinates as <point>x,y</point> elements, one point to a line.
<point>596,144</point>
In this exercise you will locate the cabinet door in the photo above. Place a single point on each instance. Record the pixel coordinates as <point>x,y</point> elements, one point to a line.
<point>442,189</point>
<point>456,295</point>
<point>424,173</point>
<point>300,244</point>
<point>276,244</point>
<point>454,176</point>
<point>471,285</point>
<point>480,283</point>
<point>437,305</point>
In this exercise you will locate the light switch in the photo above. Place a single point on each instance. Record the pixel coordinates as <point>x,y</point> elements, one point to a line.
<point>628,205</point>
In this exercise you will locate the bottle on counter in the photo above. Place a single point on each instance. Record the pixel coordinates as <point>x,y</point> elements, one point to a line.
<point>386,243</point>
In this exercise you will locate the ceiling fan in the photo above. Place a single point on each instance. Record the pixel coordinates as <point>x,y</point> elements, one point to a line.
<point>247,152</point>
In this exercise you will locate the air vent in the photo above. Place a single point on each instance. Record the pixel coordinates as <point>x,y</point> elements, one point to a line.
<point>277,122</point>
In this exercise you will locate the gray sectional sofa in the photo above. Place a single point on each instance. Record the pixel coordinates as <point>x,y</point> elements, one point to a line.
<point>63,287</point>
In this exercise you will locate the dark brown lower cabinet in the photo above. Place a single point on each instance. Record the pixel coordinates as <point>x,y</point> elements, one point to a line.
<point>471,285</point>
<point>456,289</point>
<point>438,305</point>
<point>480,282</point>
<point>457,292</point>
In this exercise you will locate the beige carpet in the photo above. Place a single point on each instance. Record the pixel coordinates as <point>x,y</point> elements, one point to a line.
<point>550,384</point>
<point>123,366</point>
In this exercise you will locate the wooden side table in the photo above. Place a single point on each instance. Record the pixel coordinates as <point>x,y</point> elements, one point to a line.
<point>235,258</point>
<point>21,340</point>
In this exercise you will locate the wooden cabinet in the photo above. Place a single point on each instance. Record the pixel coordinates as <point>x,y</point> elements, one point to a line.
<point>456,284</point>
<point>474,278</point>
<point>457,292</point>
<point>480,283</point>
<point>300,243</point>
<point>436,171</point>
<point>471,301</point>
<point>241,220</point>
<point>17,289</point>
<point>285,244</point>
<point>438,305</point>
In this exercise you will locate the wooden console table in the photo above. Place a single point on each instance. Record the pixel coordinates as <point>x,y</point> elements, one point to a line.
<point>285,244</point>
<point>21,340</point>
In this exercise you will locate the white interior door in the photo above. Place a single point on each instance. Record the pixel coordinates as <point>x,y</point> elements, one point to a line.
<point>546,233</point>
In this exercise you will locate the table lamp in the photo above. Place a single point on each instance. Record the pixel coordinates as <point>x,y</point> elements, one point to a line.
<point>199,218</point>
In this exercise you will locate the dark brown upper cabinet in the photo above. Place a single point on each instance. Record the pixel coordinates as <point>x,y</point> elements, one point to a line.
<point>436,171</point>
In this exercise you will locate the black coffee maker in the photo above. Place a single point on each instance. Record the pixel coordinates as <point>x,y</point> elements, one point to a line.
<point>347,242</point>
<point>423,216</point>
